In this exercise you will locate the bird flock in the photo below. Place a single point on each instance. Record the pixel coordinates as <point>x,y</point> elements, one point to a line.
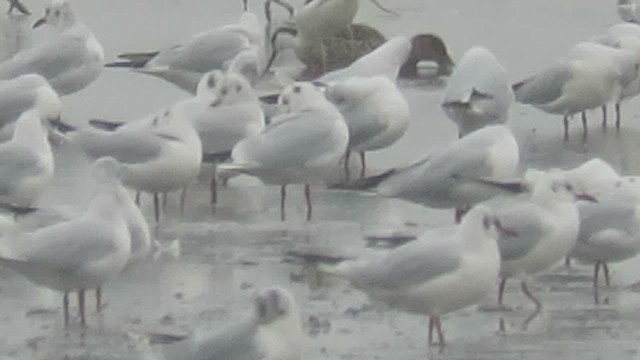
<point>509,222</point>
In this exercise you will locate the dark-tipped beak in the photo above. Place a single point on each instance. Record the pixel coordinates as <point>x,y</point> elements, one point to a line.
<point>39,22</point>
<point>503,230</point>
<point>586,197</point>
<point>217,101</point>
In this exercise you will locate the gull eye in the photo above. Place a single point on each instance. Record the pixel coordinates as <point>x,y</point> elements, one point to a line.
<point>224,91</point>
<point>211,83</point>
<point>569,187</point>
<point>486,222</point>
<point>297,89</point>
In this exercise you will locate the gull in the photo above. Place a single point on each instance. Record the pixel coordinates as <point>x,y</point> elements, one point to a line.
<point>587,79</point>
<point>160,153</point>
<point>23,93</point>
<point>70,62</point>
<point>26,161</point>
<point>426,47</point>
<point>16,33</point>
<point>236,115</point>
<point>546,227</point>
<point>272,332</point>
<point>436,274</point>
<point>594,177</point>
<point>628,11</point>
<point>627,37</point>
<point>478,92</point>
<point>302,145</point>
<point>609,231</point>
<point>81,254</point>
<point>455,176</point>
<point>375,111</point>
<point>239,47</point>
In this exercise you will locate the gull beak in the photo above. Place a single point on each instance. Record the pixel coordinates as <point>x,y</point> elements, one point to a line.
<point>586,197</point>
<point>503,230</point>
<point>39,23</point>
<point>217,101</point>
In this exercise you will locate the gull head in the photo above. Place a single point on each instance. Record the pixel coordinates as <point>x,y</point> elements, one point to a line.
<point>58,14</point>
<point>108,170</point>
<point>554,186</point>
<point>275,304</point>
<point>234,88</point>
<point>482,220</point>
<point>209,83</point>
<point>300,96</point>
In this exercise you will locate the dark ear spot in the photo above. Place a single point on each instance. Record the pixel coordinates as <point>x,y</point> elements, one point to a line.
<point>154,122</point>
<point>262,309</point>
<point>57,13</point>
<point>297,89</point>
<point>238,88</point>
<point>211,82</point>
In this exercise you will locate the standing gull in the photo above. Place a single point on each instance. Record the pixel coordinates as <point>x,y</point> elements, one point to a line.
<point>302,145</point>
<point>80,254</point>
<point>435,274</point>
<point>237,114</point>
<point>375,111</point>
<point>70,62</point>
<point>455,176</point>
<point>478,92</point>
<point>227,47</point>
<point>545,226</point>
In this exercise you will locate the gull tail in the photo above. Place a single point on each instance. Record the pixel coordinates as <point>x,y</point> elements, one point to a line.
<point>216,157</point>
<point>132,60</point>
<point>315,257</point>
<point>105,124</point>
<point>62,126</point>
<point>367,183</point>
<point>514,187</point>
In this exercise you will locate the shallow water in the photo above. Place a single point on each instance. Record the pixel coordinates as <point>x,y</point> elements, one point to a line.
<point>227,256</point>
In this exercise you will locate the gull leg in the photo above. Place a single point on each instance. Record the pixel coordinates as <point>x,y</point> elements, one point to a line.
<point>430,333</point>
<point>138,198</point>
<point>347,156</point>
<point>213,187</point>
<point>363,163</point>
<point>596,293</point>
<point>156,207</point>
<point>307,196</point>
<point>607,279</point>
<point>98,299</point>
<point>584,124</point>
<point>567,261</point>
<point>81,311</point>
<point>164,202</point>
<point>501,286</point>
<point>604,117</point>
<point>283,196</point>
<point>65,308</point>
<point>565,121</point>
<point>525,290</point>
<point>440,333</point>
<point>183,201</point>
<point>618,120</point>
